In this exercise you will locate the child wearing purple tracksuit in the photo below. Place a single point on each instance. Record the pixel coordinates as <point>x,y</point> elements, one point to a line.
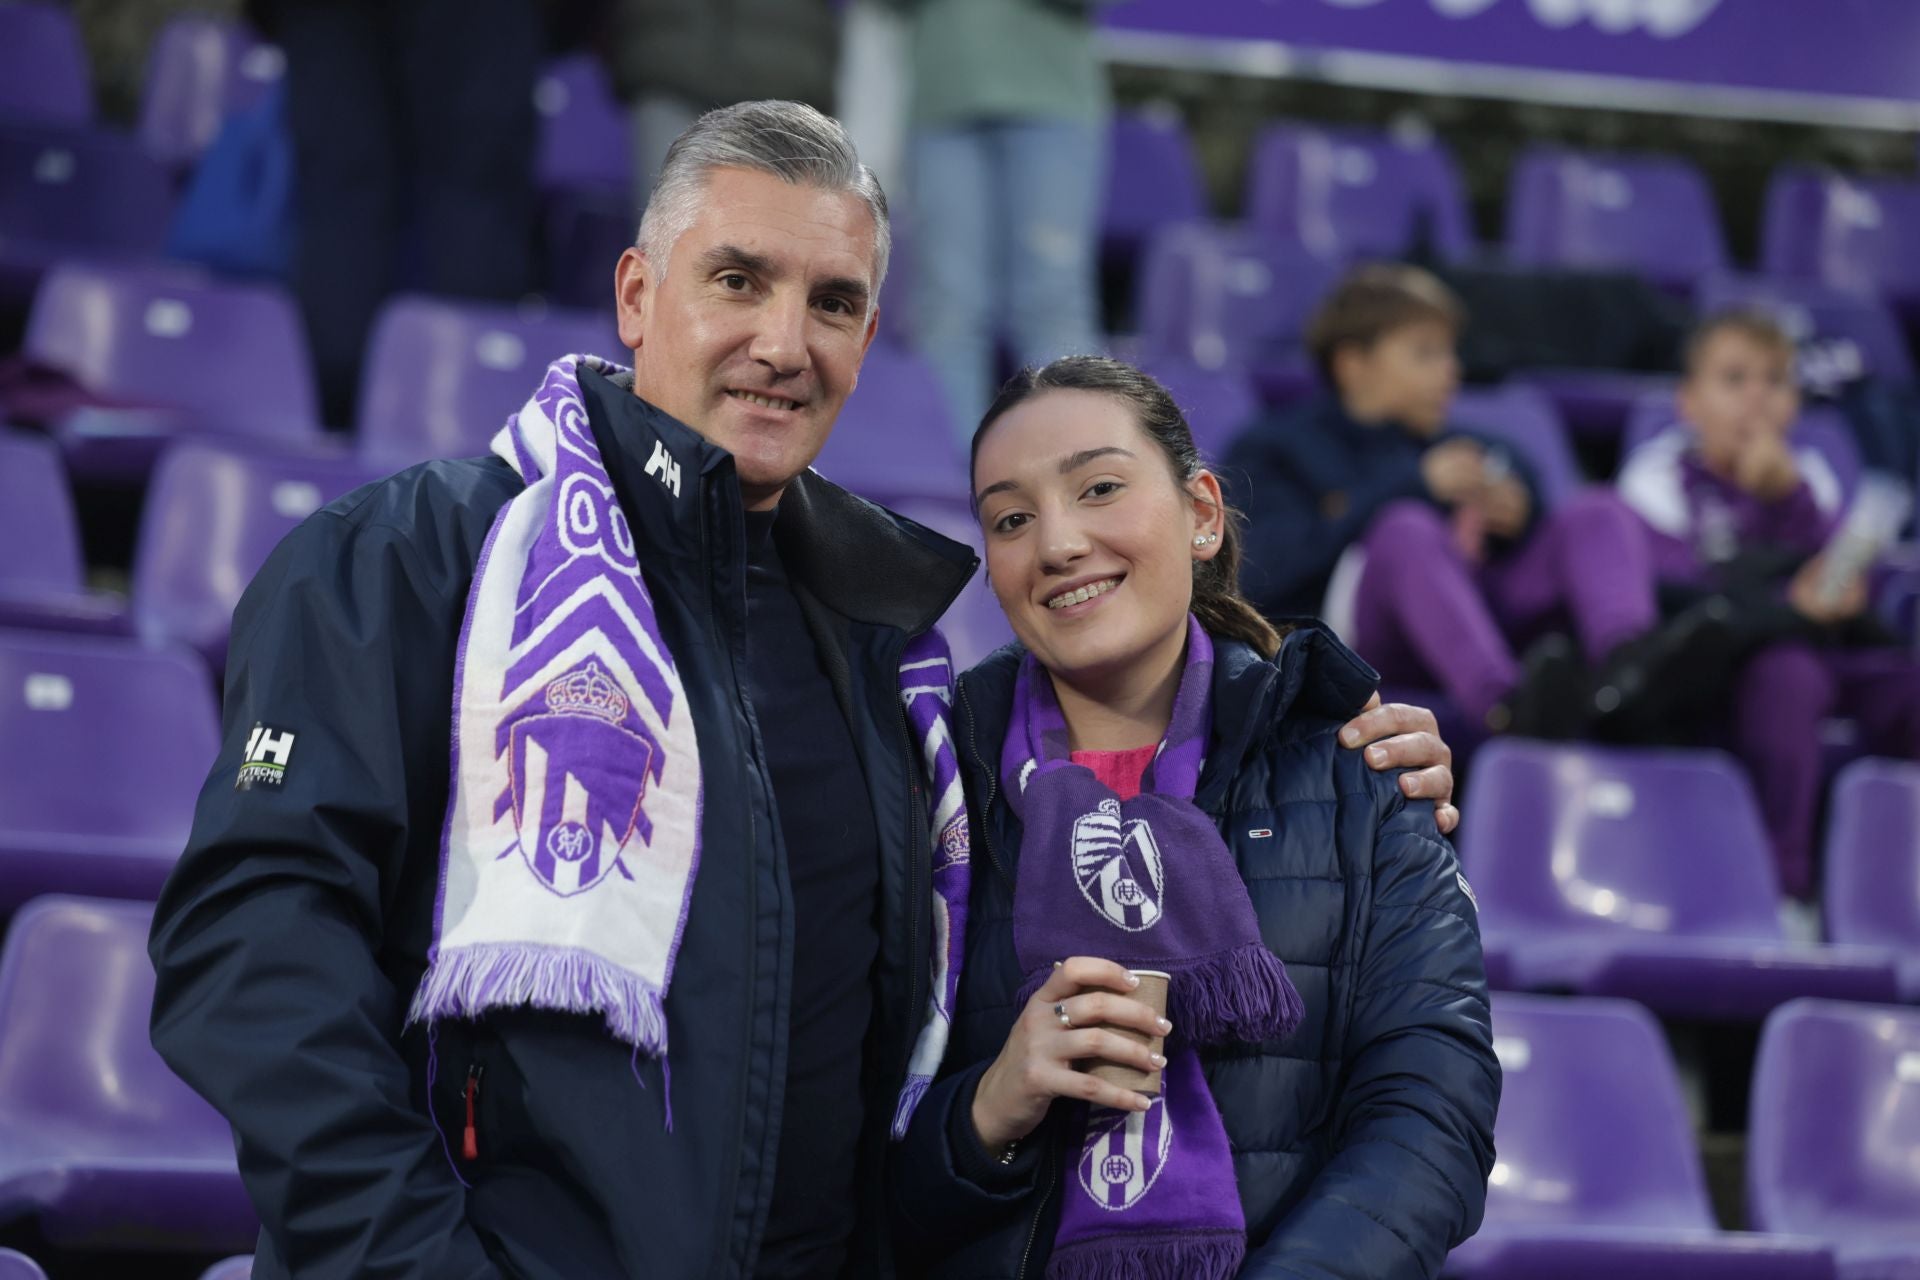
<point>1734,511</point>
<point>1427,546</point>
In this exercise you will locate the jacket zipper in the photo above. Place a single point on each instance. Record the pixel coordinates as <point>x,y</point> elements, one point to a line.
<point>1039,1211</point>
<point>470,1135</point>
<point>993,787</point>
<point>724,646</point>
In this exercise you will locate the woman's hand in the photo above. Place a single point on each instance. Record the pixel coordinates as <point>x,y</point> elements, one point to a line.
<point>1035,1066</point>
<point>1407,737</point>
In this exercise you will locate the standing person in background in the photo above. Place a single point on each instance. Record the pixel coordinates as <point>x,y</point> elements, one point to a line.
<point>672,60</point>
<point>413,133</point>
<point>1008,169</point>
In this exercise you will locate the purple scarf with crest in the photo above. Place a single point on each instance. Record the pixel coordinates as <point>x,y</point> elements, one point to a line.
<point>1148,883</point>
<point>573,824</point>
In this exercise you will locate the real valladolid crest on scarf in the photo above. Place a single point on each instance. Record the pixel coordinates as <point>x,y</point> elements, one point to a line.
<point>1149,883</point>
<point>572,833</point>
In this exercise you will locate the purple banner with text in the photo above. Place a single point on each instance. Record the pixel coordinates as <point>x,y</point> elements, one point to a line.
<point>1855,50</point>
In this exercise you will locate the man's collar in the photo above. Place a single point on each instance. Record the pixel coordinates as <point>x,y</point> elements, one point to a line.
<point>858,559</point>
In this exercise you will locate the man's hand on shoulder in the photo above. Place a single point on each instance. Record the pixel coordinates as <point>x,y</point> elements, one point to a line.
<point>1399,736</point>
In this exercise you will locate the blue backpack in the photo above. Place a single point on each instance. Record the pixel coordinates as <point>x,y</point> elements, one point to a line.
<point>237,214</point>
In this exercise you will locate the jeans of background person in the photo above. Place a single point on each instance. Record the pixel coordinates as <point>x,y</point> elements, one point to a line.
<point>656,120</point>
<point>1006,217</point>
<point>413,127</point>
<point>1780,697</point>
<point>1422,612</point>
<point>873,87</point>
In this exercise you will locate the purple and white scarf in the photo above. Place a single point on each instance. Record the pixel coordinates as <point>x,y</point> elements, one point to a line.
<point>572,833</point>
<point>1148,883</point>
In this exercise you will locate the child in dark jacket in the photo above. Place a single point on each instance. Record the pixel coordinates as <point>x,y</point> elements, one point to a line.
<point>1428,546</point>
<point>1735,512</point>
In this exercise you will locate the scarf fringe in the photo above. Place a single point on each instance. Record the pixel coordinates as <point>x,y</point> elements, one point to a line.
<point>1124,1256</point>
<point>464,982</point>
<point>1237,996</point>
<point>1242,995</point>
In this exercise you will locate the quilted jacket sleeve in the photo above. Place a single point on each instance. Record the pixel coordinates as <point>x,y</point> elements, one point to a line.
<point>1412,1128</point>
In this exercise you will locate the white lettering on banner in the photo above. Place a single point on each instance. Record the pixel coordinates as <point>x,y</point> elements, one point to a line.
<point>663,468</point>
<point>1663,19</point>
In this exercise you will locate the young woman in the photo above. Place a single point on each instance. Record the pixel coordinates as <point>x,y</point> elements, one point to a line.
<point>1157,784</point>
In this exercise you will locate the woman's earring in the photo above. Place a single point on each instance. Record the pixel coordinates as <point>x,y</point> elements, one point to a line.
<point>1205,539</point>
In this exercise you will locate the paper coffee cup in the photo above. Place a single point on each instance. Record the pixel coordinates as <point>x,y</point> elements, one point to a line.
<point>1151,992</point>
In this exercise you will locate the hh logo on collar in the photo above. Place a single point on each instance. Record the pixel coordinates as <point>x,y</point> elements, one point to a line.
<point>265,763</point>
<point>663,468</point>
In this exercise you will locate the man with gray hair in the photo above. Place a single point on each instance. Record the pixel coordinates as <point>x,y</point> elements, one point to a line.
<point>562,902</point>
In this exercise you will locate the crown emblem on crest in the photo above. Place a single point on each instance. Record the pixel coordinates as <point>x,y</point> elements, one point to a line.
<point>589,691</point>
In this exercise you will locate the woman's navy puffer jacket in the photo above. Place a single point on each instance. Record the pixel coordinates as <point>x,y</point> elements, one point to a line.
<point>1362,1143</point>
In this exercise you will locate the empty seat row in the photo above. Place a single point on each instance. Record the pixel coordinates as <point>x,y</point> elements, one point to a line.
<point>1645,874</point>
<point>1598,1175</point>
<point>128,358</point>
<point>199,71</point>
<point>101,1145</point>
<point>1597,1172</point>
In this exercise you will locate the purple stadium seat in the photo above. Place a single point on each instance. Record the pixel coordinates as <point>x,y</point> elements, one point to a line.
<point>103,746</point>
<point>1872,855</point>
<point>212,515</point>
<point>42,576</point>
<point>584,167</point>
<point>1218,403</point>
<point>18,1266</point>
<point>1833,1132</point>
<point>1861,235</point>
<point>74,192</point>
<point>43,66</point>
<point>173,355</point>
<point>1597,1174</point>
<point>1841,335</point>
<point>1642,874</point>
<point>584,139</point>
<point>974,625</point>
<point>1821,428</point>
<point>1346,193</point>
<point>201,70</point>
<point>240,1268</point>
<point>98,1139</point>
<point>894,436</point>
<point>1153,180</point>
<point>587,229</point>
<point>442,376</point>
<point>896,291</point>
<point>1525,418</point>
<point>1223,296</point>
<point>1650,214</point>
<point>1594,403</point>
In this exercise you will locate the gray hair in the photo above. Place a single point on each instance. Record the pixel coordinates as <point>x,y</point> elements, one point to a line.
<point>789,140</point>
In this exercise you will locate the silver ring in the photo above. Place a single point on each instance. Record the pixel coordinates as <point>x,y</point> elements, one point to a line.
<point>1060,1012</point>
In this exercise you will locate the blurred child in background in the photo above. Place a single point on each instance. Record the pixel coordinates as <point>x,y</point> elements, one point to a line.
<point>1427,546</point>
<point>1737,515</point>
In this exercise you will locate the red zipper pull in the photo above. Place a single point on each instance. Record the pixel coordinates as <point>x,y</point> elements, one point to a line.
<point>470,1136</point>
